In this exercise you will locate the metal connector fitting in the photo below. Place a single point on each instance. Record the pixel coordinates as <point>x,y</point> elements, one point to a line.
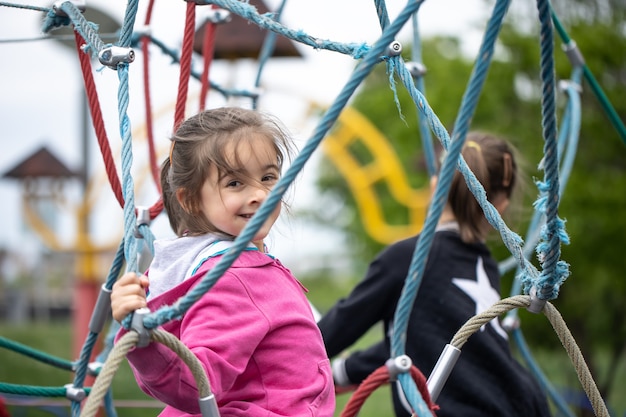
<point>564,85</point>
<point>94,368</point>
<point>73,393</point>
<point>573,54</point>
<point>394,49</point>
<point>536,303</point>
<point>143,219</point>
<point>398,365</point>
<point>417,69</point>
<point>510,323</point>
<point>218,16</point>
<point>136,324</point>
<point>56,7</point>
<point>141,31</point>
<point>442,370</point>
<point>208,406</point>
<point>115,55</point>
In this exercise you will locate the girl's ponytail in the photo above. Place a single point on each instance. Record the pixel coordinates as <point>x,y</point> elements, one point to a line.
<point>492,161</point>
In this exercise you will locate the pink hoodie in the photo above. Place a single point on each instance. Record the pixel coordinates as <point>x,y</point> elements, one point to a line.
<point>254,333</point>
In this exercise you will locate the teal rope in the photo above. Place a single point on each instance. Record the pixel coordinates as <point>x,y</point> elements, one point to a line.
<point>36,354</point>
<point>35,391</point>
<point>25,6</point>
<point>195,74</point>
<point>267,49</point>
<point>569,135</point>
<point>86,29</point>
<point>595,86</point>
<point>427,140</point>
<point>168,313</point>
<point>418,262</point>
<point>554,271</point>
<point>128,187</point>
<point>249,12</point>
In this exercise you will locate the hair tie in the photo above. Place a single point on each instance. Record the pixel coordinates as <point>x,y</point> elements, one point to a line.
<point>472,144</point>
<point>507,173</point>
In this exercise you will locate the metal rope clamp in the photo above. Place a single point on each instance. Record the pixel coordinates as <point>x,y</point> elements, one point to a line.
<point>398,365</point>
<point>115,55</point>
<point>136,324</point>
<point>73,393</point>
<point>394,49</point>
<point>536,303</point>
<point>417,69</point>
<point>143,219</point>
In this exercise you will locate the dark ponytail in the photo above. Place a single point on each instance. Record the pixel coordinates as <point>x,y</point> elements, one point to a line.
<point>492,161</point>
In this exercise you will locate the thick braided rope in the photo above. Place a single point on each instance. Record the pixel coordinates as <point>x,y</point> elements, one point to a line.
<point>128,187</point>
<point>575,355</point>
<point>128,24</point>
<point>418,262</point>
<point>379,378</point>
<point>425,134</point>
<point>97,121</point>
<point>554,271</point>
<point>168,313</point>
<point>496,310</point>
<point>33,391</point>
<point>249,12</point>
<point>25,6</point>
<point>35,354</point>
<point>122,347</point>
<point>86,29</point>
<point>267,49</point>
<point>563,333</point>
<point>185,64</point>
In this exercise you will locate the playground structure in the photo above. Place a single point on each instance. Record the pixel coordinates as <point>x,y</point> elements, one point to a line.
<point>541,285</point>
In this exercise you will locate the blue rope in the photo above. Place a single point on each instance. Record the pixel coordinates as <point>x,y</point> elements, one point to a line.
<point>554,271</point>
<point>88,30</point>
<point>267,49</point>
<point>418,262</point>
<point>427,141</point>
<point>168,313</point>
<point>249,12</point>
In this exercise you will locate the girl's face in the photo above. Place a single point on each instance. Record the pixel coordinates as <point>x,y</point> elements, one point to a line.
<point>230,201</point>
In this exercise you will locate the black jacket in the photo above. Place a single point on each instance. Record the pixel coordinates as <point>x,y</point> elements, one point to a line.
<point>486,380</point>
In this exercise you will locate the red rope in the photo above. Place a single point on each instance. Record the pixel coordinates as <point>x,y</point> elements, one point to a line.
<point>185,64</point>
<point>145,42</point>
<point>98,123</point>
<point>378,378</point>
<point>208,45</point>
<point>97,120</point>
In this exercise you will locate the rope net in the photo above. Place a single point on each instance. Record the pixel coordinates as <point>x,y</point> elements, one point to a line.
<point>546,235</point>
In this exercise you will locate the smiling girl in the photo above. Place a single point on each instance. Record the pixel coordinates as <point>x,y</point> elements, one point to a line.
<point>254,331</point>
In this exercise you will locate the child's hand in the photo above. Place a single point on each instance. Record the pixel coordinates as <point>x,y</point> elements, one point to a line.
<point>128,294</point>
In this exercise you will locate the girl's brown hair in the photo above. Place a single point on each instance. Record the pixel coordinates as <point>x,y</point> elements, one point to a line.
<point>492,161</point>
<point>199,145</point>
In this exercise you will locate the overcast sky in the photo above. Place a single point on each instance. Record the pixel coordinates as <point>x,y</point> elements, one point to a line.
<point>41,87</point>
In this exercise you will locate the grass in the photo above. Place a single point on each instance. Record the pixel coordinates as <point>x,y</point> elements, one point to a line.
<point>55,339</point>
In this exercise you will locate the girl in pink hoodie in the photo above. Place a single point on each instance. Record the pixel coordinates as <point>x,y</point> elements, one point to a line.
<point>253,331</point>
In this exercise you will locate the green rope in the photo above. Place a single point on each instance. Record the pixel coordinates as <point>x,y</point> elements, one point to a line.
<point>595,86</point>
<point>35,391</point>
<point>35,354</point>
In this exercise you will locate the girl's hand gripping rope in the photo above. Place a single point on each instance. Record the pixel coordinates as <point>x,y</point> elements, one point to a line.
<point>128,295</point>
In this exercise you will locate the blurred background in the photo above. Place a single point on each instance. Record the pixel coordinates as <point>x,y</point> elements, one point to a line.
<point>61,226</point>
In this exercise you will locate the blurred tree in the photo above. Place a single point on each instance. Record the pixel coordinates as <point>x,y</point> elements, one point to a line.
<point>510,105</point>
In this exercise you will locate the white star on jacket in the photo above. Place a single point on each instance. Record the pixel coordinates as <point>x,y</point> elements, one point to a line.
<point>483,294</point>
